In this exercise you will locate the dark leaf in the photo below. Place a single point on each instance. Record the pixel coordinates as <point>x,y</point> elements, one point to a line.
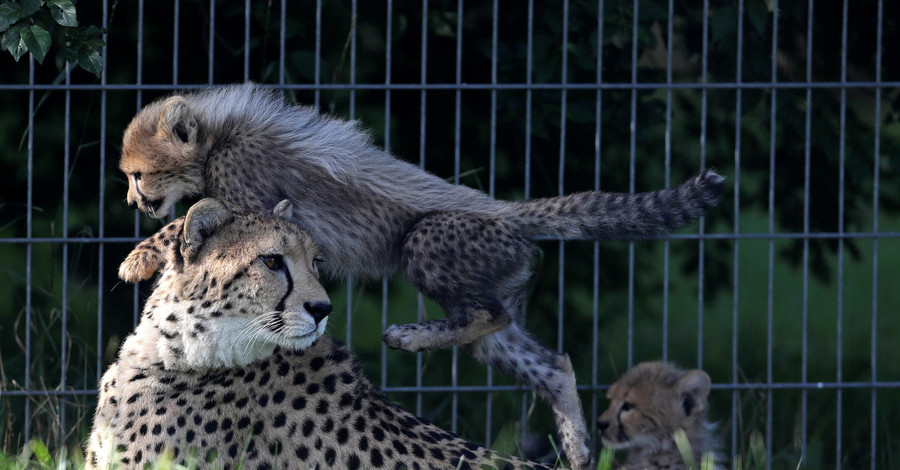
<point>90,61</point>
<point>12,41</point>
<point>63,12</point>
<point>37,40</point>
<point>10,12</point>
<point>29,7</point>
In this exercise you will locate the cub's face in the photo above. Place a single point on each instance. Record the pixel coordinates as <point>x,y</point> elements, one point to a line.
<point>162,157</point>
<point>650,403</point>
<point>231,289</point>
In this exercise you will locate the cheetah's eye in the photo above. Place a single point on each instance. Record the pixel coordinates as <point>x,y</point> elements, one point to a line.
<point>627,406</point>
<point>273,262</point>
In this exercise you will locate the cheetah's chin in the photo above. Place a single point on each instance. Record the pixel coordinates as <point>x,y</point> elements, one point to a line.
<point>299,342</point>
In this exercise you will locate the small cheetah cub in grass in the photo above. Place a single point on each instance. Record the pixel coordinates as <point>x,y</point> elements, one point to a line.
<point>229,367</point>
<point>650,404</point>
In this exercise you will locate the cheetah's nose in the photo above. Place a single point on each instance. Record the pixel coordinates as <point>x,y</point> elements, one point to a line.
<point>602,425</point>
<point>318,310</point>
<point>132,205</point>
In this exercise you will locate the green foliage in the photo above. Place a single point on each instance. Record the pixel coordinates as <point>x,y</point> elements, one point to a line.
<point>36,25</point>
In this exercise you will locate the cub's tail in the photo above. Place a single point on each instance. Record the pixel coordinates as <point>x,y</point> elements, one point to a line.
<point>597,215</point>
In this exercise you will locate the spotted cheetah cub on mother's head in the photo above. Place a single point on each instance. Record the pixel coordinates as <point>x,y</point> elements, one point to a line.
<point>648,405</point>
<point>228,366</point>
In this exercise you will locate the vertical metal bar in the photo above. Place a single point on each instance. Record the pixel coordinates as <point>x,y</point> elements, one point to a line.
<point>175,45</point>
<point>632,146</point>
<point>246,41</point>
<point>63,356</point>
<point>561,275</point>
<point>457,153</point>
<point>423,71</point>
<point>806,182</point>
<point>384,310</point>
<point>212,42</point>
<point>281,59</point>
<point>101,231</point>
<point>29,221</point>
<point>353,29</point>
<point>529,70</point>
<point>840,254</point>
<point>423,79</point>
<point>387,102</point>
<point>458,95</point>
<point>598,139</point>
<point>317,80</point>
<point>773,104</point>
<point>140,62</point>
<point>668,171</point>
<point>737,212</point>
<point>135,291</point>
<point>489,399</point>
<point>701,246</point>
<point>873,354</point>
<point>529,67</point>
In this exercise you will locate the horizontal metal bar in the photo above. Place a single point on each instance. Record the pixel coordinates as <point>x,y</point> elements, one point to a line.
<point>687,236</point>
<point>43,393</point>
<point>762,236</point>
<point>518,388</point>
<point>73,240</point>
<point>476,86</point>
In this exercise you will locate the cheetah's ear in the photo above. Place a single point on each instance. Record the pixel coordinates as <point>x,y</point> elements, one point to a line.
<point>284,209</point>
<point>201,221</point>
<point>694,388</point>
<point>149,255</point>
<point>177,121</point>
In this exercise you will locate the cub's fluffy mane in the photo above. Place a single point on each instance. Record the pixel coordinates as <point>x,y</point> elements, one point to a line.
<point>333,145</point>
<point>341,148</point>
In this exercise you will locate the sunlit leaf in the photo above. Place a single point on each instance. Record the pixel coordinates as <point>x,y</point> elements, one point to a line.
<point>41,454</point>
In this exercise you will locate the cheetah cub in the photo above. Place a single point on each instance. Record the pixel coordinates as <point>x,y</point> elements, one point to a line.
<point>648,405</point>
<point>229,366</point>
<point>373,214</point>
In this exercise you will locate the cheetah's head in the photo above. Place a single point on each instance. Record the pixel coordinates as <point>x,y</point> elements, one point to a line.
<point>650,403</point>
<point>163,156</point>
<point>231,287</point>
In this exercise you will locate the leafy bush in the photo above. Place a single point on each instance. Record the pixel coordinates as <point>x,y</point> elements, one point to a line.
<point>35,25</point>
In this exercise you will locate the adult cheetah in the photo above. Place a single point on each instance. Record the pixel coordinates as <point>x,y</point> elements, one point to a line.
<point>229,366</point>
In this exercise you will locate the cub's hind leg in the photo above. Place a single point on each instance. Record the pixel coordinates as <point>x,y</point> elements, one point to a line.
<point>478,270</point>
<point>515,353</point>
<point>465,263</point>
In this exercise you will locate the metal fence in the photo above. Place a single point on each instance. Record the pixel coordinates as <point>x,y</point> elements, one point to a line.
<point>783,294</point>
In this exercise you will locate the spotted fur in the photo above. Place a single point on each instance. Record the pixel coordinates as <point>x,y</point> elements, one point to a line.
<point>648,405</point>
<point>373,214</point>
<point>229,367</point>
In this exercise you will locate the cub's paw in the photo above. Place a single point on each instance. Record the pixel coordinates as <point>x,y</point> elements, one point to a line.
<point>403,337</point>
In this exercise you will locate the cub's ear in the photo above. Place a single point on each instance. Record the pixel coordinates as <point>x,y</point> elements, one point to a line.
<point>694,388</point>
<point>284,209</point>
<point>177,121</point>
<point>201,221</point>
<point>149,255</point>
